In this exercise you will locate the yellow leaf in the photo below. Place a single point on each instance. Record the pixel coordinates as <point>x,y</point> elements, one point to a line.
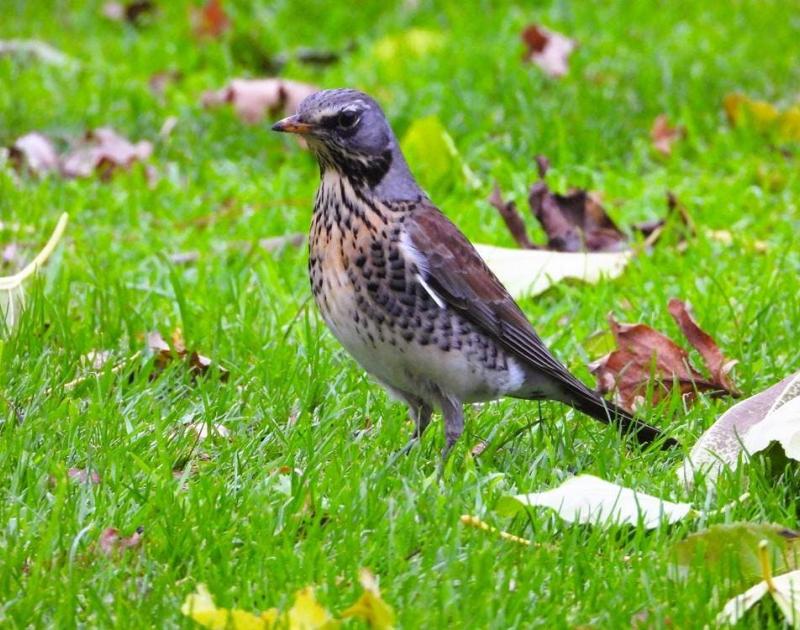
<point>370,606</point>
<point>416,42</point>
<point>307,614</point>
<point>201,607</point>
<point>431,149</point>
<point>762,116</point>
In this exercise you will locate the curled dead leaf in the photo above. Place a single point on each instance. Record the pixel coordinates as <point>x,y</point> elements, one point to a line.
<point>132,12</point>
<point>112,543</point>
<point>84,475</point>
<point>164,355</point>
<point>718,366</point>
<point>513,221</point>
<point>647,359</point>
<point>210,20</point>
<point>547,49</point>
<point>104,151</point>
<point>34,152</point>
<point>254,99</point>
<point>574,222</point>
<point>663,135</point>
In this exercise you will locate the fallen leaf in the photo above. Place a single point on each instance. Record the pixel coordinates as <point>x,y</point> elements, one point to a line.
<point>720,544</point>
<point>82,475</point>
<point>131,12</point>
<point>575,221</point>
<point>112,543</point>
<point>512,219</point>
<point>663,135</point>
<point>764,117</point>
<point>210,20</point>
<point>255,99</point>
<point>785,591</point>
<point>587,499</point>
<point>159,81</point>
<point>646,358</point>
<point>530,272</point>
<point>414,43</point>
<point>34,152</point>
<point>35,49</point>
<point>479,448</point>
<point>200,607</point>
<point>721,445</point>
<point>548,49</point>
<point>370,606</point>
<point>428,146</point>
<point>717,365</point>
<point>165,354</point>
<point>103,151</point>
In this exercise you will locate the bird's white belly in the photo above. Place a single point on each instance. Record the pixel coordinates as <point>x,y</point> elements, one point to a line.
<point>408,366</point>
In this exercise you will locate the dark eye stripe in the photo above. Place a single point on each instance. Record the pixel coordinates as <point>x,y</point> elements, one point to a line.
<point>329,122</point>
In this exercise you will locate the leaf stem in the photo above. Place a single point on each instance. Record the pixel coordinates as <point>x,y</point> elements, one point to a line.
<point>766,568</point>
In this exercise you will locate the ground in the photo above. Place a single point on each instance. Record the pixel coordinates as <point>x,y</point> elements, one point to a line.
<point>302,491</point>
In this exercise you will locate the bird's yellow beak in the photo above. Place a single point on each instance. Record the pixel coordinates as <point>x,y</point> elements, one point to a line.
<point>293,125</point>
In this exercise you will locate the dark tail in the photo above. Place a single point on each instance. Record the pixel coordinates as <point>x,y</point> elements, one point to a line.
<point>586,401</point>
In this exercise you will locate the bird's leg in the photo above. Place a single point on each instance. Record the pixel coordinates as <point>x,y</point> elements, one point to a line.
<point>453,412</point>
<point>421,414</point>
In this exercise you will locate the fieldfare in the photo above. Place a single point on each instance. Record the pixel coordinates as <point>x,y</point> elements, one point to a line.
<point>406,293</point>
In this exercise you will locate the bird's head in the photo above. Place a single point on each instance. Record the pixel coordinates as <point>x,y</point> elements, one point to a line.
<point>348,133</point>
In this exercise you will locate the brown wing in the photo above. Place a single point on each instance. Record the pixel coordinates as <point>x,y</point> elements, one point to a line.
<point>456,271</point>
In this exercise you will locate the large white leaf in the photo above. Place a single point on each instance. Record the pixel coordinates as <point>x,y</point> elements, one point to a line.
<point>749,426</point>
<point>532,271</point>
<point>591,500</point>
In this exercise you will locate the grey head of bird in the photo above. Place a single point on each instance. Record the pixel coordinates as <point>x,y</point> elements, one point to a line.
<point>349,134</point>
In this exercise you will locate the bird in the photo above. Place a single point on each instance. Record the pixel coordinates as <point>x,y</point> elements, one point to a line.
<point>406,293</point>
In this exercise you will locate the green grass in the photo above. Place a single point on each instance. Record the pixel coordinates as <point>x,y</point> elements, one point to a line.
<point>294,398</point>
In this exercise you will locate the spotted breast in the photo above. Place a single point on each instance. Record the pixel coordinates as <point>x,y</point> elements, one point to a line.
<point>368,287</point>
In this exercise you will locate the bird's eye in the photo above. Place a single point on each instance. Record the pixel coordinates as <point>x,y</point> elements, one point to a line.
<point>347,119</point>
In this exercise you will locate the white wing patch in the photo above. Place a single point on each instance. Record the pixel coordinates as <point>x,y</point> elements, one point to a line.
<point>434,296</point>
<point>412,254</point>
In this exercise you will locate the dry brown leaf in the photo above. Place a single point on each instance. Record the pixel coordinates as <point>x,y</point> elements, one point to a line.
<point>82,475</point>
<point>513,221</point>
<point>255,99</point>
<point>210,20</point>
<point>159,81</point>
<point>104,151</point>
<point>165,354</point>
<point>663,135</point>
<point>717,365</point>
<point>131,12</point>
<point>646,358</point>
<point>111,543</point>
<point>548,49</point>
<point>34,152</point>
<point>574,222</point>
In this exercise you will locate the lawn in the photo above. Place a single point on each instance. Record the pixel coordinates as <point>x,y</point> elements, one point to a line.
<point>302,490</point>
